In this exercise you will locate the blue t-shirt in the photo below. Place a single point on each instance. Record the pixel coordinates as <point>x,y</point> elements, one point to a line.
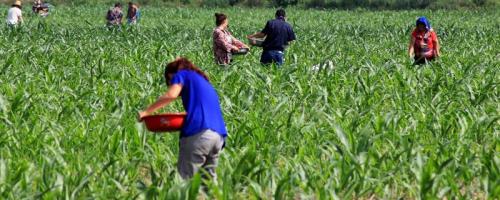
<point>278,34</point>
<point>201,103</point>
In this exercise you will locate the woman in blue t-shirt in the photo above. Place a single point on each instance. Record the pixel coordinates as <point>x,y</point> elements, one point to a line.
<point>204,131</point>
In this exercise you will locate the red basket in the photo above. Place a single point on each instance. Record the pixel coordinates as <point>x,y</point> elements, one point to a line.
<point>167,122</point>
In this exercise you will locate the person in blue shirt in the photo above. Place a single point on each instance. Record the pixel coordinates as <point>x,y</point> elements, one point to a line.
<point>133,13</point>
<point>278,34</point>
<point>204,131</point>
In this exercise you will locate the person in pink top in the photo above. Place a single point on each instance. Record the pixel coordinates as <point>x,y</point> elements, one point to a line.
<point>223,41</point>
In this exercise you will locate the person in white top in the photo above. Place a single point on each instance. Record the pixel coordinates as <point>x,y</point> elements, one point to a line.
<point>15,16</point>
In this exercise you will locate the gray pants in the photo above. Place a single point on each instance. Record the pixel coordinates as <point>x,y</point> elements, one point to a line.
<point>199,151</point>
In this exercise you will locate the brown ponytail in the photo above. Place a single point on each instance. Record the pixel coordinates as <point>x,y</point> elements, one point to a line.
<point>182,64</point>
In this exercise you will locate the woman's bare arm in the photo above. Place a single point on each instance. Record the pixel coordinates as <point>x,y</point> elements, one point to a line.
<point>172,93</point>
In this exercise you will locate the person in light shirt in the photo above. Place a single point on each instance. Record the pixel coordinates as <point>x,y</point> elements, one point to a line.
<point>14,15</point>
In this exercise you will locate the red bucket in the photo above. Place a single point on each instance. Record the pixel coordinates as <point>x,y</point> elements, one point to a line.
<point>167,122</point>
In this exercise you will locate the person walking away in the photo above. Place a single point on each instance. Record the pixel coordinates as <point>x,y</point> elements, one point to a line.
<point>15,15</point>
<point>278,34</point>
<point>115,15</point>
<point>133,13</point>
<point>223,41</point>
<point>204,131</point>
<point>424,44</point>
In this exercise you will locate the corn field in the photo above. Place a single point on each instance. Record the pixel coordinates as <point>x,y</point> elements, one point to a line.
<point>347,117</point>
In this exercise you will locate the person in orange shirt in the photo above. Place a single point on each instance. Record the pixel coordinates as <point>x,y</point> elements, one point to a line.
<point>424,44</point>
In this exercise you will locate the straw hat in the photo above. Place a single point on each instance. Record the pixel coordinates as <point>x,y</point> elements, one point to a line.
<point>17,3</point>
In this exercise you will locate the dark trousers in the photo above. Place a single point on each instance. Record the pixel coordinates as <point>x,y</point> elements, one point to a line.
<point>422,60</point>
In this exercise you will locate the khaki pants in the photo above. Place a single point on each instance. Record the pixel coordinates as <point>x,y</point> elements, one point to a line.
<point>199,151</point>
